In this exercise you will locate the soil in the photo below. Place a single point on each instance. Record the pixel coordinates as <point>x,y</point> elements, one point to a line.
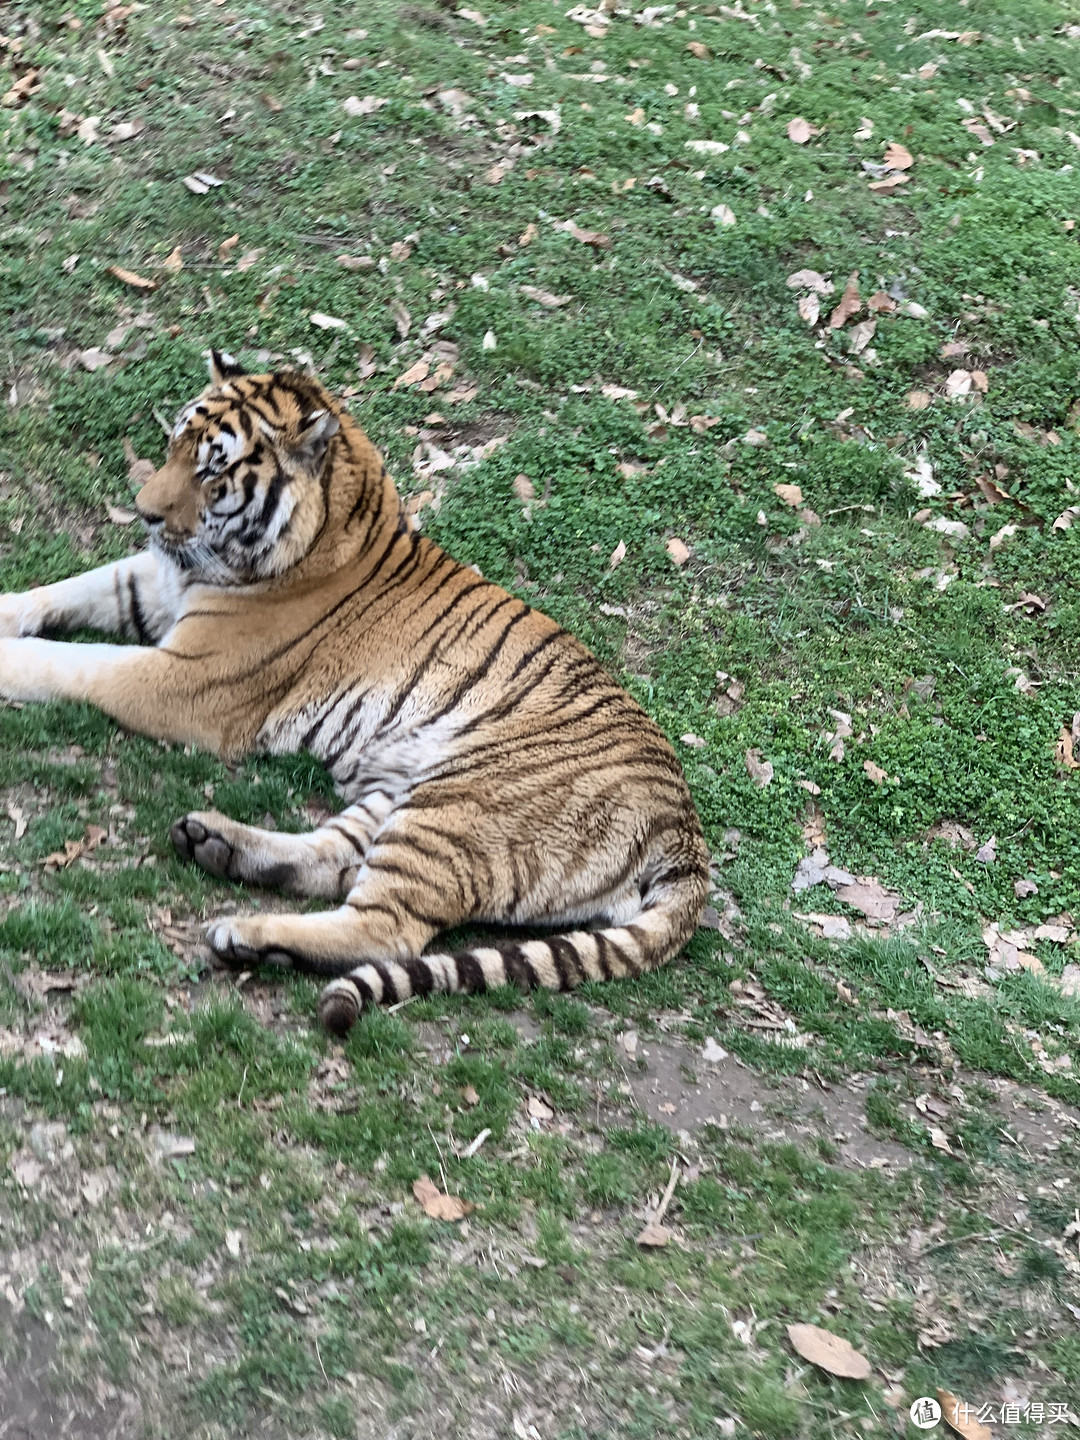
<point>32,1406</point>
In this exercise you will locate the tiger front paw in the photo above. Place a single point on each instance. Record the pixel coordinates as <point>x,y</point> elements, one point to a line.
<point>16,619</point>
<point>239,944</point>
<point>198,837</point>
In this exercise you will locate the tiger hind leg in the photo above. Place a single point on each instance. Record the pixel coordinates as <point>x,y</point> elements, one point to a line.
<point>321,864</point>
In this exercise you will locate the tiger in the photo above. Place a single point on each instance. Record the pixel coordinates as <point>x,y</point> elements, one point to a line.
<point>491,771</point>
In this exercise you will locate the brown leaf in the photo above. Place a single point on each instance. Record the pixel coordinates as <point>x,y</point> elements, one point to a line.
<point>849,305</point>
<point>366,362</point>
<point>991,490</point>
<point>790,494</point>
<point>225,249</point>
<point>960,1417</point>
<point>897,157</point>
<point>17,818</point>
<point>918,399</point>
<point>809,308</point>
<point>528,235</point>
<point>828,1351</point>
<point>545,297</point>
<point>355,262</point>
<point>61,859</point>
<point>655,1235</point>
<point>880,303</point>
<point>23,87</point>
<point>760,771</point>
<point>272,103</point>
<point>889,184</point>
<point>538,1110</point>
<point>875,772</point>
<point>413,375</point>
<point>128,277</point>
<point>139,471</point>
<point>678,552</point>
<point>94,837</point>
<point>617,555</point>
<point>173,262</point>
<point>1063,750</point>
<point>799,131</point>
<point>698,50</point>
<point>594,238</point>
<point>871,897</point>
<point>470,1095</point>
<point>979,130</point>
<point>438,1205</point>
<point>524,489</point>
<point>462,396</point>
<point>402,319</point>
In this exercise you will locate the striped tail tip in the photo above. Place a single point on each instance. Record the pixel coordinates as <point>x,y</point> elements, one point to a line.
<point>340,1005</point>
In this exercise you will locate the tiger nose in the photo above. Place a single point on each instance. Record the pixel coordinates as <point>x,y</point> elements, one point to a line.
<point>149,516</point>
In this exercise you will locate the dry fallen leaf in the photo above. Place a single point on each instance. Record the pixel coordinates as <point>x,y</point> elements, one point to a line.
<point>918,399</point>
<point>1063,751</point>
<point>655,1235</point>
<point>810,280</point>
<point>353,105</point>
<point>871,897</point>
<point>17,818</point>
<point>524,489</point>
<point>201,182</point>
<point>800,131</point>
<point>617,555</point>
<point>226,248</point>
<point>789,494</point>
<point>849,305</point>
<point>875,772</point>
<point>723,214</point>
<point>528,235</point>
<point>594,238</point>
<point>698,50</point>
<point>860,336</point>
<point>897,157</point>
<point>139,471</point>
<point>809,308</point>
<point>437,1205</point>
<point>470,1095</point>
<point>129,277</point>
<point>538,1110</point>
<point>233,1242</point>
<point>402,319</point>
<point>760,771</point>
<point>173,262</point>
<point>545,297</point>
<point>413,375</point>
<point>961,1417</point>
<point>828,1351</point>
<point>327,322</point>
<point>678,552</point>
<point>939,1140</point>
<point>366,362</point>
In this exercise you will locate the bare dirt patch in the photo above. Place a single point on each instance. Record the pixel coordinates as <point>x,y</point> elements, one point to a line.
<point>35,1401</point>
<point>682,1091</point>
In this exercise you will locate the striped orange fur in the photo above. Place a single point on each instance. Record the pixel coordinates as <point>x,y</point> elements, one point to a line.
<point>491,770</point>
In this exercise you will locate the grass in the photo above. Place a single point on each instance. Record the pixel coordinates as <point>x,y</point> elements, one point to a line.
<point>280,1279</point>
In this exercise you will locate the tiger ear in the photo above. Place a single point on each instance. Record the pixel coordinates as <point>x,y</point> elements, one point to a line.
<point>223,366</point>
<point>314,438</point>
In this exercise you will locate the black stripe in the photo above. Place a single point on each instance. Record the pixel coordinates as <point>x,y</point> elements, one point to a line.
<point>470,972</point>
<point>519,968</point>
<point>565,959</point>
<point>420,976</point>
<point>137,611</point>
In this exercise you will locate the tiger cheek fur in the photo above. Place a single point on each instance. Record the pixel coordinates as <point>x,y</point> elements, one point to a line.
<point>490,769</point>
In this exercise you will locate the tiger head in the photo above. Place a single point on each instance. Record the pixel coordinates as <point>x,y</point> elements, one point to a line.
<point>241,495</point>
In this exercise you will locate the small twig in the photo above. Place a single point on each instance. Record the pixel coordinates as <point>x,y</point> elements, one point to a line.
<point>322,1367</point>
<point>678,367</point>
<point>473,1146</point>
<point>240,1092</point>
<point>392,1009</point>
<point>665,1201</point>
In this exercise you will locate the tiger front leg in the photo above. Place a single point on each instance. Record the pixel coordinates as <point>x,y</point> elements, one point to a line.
<point>138,598</point>
<point>322,864</point>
